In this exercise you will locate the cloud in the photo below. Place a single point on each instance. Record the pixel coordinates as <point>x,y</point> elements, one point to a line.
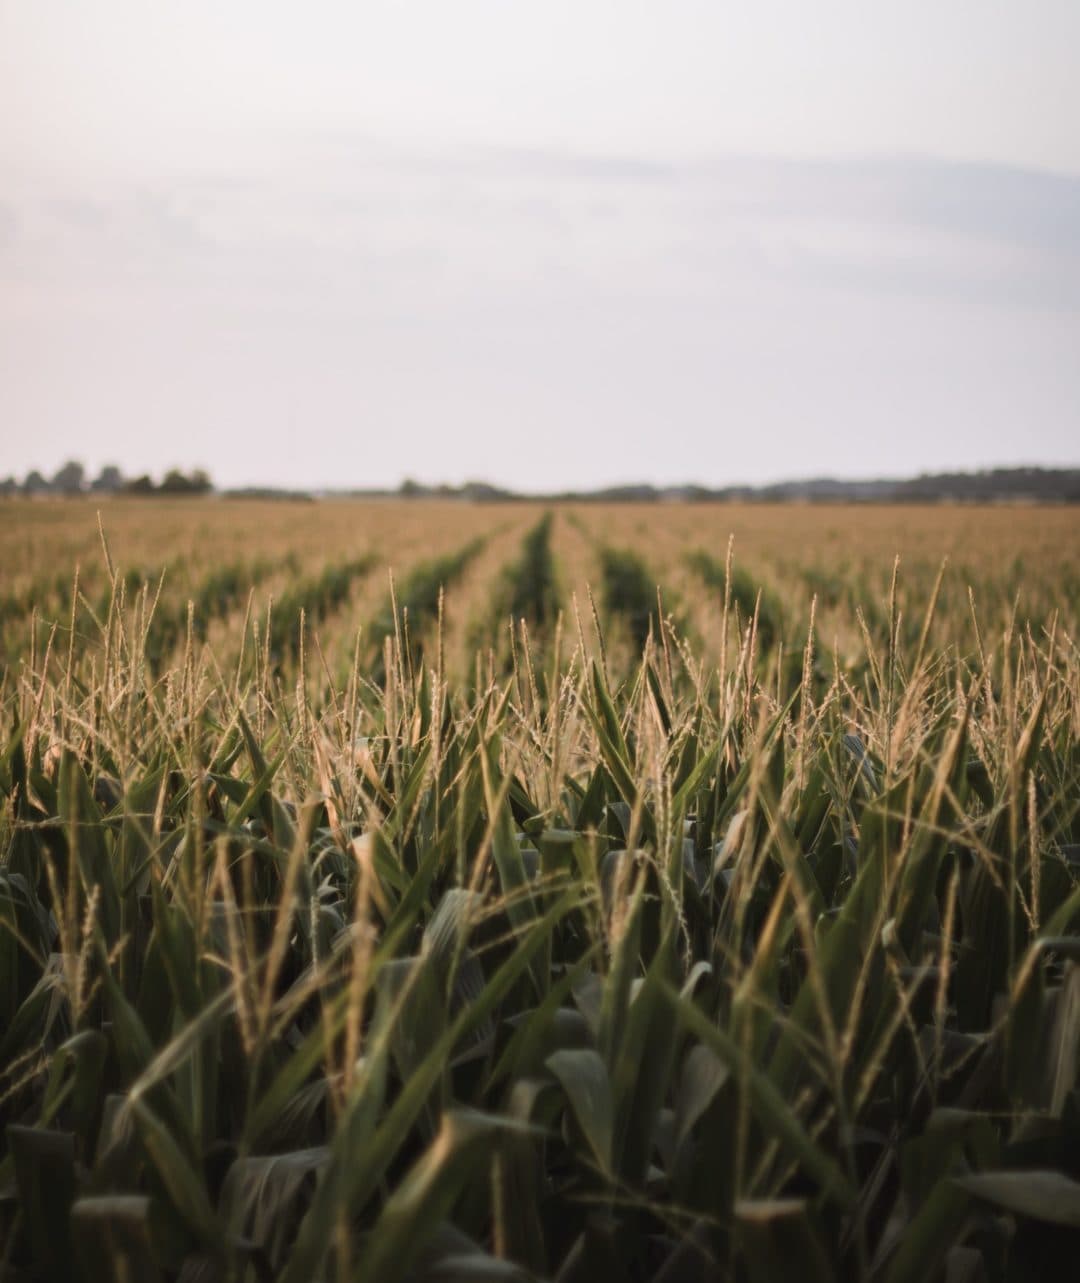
<point>1026,208</point>
<point>1033,208</point>
<point>490,162</point>
<point>880,314</point>
<point>478,220</point>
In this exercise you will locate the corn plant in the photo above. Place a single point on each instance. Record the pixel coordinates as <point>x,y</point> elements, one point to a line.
<point>690,976</point>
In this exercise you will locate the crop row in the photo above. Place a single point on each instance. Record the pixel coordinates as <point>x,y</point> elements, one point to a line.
<point>653,970</point>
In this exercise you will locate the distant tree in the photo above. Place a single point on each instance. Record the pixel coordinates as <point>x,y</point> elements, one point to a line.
<point>70,478</point>
<point>9,486</point>
<point>483,492</point>
<point>410,489</point>
<point>108,481</point>
<point>35,483</point>
<point>177,482</point>
<point>140,485</point>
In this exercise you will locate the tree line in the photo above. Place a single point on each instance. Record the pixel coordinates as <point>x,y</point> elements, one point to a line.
<point>73,479</point>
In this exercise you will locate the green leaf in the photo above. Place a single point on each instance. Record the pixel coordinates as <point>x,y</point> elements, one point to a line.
<point>361,1152</point>
<point>427,1193</point>
<point>114,1238</point>
<point>265,1195</point>
<point>184,1184</point>
<point>45,1179</point>
<point>1042,1195</point>
<point>84,1055</point>
<point>935,1228</point>
<point>584,1078</point>
<point>767,1104</point>
<point>779,1241</point>
<point>703,1075</point>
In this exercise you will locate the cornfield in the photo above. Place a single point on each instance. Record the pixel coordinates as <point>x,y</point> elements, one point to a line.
<point>581,901</point>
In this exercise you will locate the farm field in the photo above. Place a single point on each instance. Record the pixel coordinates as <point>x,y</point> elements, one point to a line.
<point>217,554</point>
<point>717,920</point>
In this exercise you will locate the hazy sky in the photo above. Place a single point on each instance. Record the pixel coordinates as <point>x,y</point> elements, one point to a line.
<point>544,244</point>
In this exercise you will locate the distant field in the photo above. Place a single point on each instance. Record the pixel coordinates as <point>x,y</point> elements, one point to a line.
<point>650,893</point>
<point>219,554</point>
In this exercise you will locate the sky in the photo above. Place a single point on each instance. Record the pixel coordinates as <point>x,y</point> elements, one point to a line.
<point>569,243</point>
